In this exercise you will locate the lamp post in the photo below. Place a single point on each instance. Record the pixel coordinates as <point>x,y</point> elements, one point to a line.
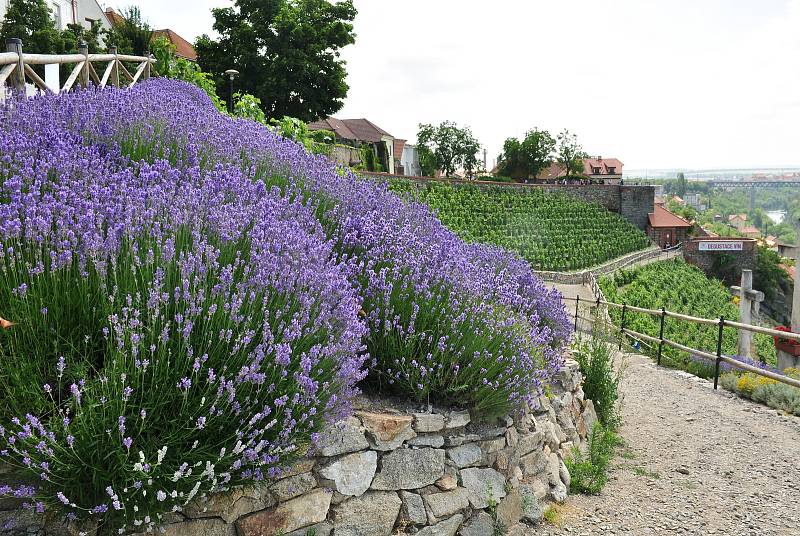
<point>231,73</point>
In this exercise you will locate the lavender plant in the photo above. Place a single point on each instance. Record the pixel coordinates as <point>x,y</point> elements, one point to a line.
<point>176,332</point>
<point>211,288</point>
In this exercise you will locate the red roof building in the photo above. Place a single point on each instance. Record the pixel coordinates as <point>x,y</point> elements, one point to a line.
<point>183,48</point>
<point>665,228</point>
<point>607,170</point>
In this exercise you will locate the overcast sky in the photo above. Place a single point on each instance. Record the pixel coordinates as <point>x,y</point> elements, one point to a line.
<point>656,83</point>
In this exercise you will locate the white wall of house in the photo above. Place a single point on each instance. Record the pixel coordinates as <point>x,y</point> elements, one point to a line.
<point>68,12</point>
<point>410,161</point>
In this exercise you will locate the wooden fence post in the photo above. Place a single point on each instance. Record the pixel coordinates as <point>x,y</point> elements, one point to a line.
<point>577,303</point>
<point>146,73</point>
<point>115,68</point>
<point>745,314</point>
<point>14,45</point>
<point>83,48</point>
<point>622,326</point>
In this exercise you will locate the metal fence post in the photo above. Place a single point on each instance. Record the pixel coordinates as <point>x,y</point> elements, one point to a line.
<point>719,351</point>
<point>622,326</point>
<point>577,302</point>
<point>661,336</point>
<point>83,48</point>
<point>14,45</point>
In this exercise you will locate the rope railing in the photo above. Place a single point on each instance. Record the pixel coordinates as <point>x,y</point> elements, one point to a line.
<point>721,323</point>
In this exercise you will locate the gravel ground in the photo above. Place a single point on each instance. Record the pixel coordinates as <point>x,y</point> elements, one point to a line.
<point>695,461</point>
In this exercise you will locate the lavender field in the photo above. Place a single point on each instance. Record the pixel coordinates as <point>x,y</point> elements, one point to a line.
<point>194,297</point>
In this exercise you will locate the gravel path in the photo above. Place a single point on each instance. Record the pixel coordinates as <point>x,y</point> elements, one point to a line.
<point>695,461</point>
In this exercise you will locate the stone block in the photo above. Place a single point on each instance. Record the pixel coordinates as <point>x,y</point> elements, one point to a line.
<point>344,437</point>
<point>428,422</point>
<point>352,473</point>
<point>457,419</point>
<point>193,527</point>
<point>373,513</point>
<point>465,455</point>
<point>493,445</point>
<point>482,484</point>
<point>447,482</point>
<point>443,528</point>
<point>481,524</point>
<point>294,514</point>
<point>426,440</point>
<point>294,486</point>
<point>409,469</point>
<point>232,505</point>
<point>386,431</point>
<point>448,503</point>
<point>413,508</point>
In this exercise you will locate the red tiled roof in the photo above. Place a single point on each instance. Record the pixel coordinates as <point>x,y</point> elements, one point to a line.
<point>113,17</point>
<point>661,217</point>
<point>749,230</point>
<point>398,149</point>
<point>183,48</point>
<point>351,129</point>
<point>742,217</point>
<point>604,164</point>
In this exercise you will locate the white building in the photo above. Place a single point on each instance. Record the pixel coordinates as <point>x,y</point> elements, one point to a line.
<point>69,12</point>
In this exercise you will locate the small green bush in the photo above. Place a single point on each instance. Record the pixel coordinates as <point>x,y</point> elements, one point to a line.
<point>589,472</point>
<point>600,381</point>
<point>764,390</point>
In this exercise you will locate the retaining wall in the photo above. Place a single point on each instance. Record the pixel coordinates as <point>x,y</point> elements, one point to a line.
<point>389,471</point>
<point>632,202</point>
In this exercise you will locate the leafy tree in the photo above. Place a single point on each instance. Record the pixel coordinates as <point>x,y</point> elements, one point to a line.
<point>448,148</point>
<point>77,33</point>
<point>527,158</point>
<point>680,185</point>
<point>570,153</point>
<point>32,21</point>
<point>287,53</point>
<point>133,34</point>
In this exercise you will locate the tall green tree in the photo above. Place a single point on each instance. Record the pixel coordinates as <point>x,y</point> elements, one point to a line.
<point>132,35</point>
<point>447,147</point>
<point>527,158</point>
<point>286,51</point>
<point>570,153</point>
<point>32,21</point>
<point>680,185</point>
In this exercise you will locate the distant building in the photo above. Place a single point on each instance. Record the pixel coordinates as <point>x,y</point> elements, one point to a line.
<point>786,249</point>
<point>665,228</point>
<point>64,12</point>
<point>738,221</point>
<point>749,231</point>
<point>606,170</point>
<point>358,132</point>
<point>183,48</point>
<point>406,159</point>
<point>693,200</point>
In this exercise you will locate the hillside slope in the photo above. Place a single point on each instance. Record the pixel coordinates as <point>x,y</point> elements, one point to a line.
<point>681,288</point>
<point>551,231</point>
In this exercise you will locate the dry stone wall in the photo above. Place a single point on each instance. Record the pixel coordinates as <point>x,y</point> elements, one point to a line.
<point>386,471</point>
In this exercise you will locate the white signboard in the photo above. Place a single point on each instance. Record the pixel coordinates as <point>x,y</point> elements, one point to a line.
<point>726,245</point>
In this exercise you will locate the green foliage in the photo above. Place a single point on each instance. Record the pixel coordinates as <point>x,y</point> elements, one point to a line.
<point>569,153</point>
<point>589,472</point>
<point>768,275</point>
<point>287,53</point>
<point>247,106</point>
<point>132,35</point>
<point>319,142</point>
<point>527,158</point>
<point>551,230</point>
<point>764,390</point>
<point>600,381</point>
<point>680,185</point>
<point>369,160</point>
<point>447,147</point>
<point>681,288</point>
<point>32,21</point>
<point>77,33</point>
<point>171,66</point>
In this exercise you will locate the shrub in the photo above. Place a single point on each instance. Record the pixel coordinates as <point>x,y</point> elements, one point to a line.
<point>589,472</point>
<point>212,243</point>
<point>765,390</point>
<point>595,357</point>
<point>177,331</point>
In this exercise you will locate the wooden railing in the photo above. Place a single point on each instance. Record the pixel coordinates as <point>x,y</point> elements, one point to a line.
<point>16,68</point>
<point>717,358</point>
